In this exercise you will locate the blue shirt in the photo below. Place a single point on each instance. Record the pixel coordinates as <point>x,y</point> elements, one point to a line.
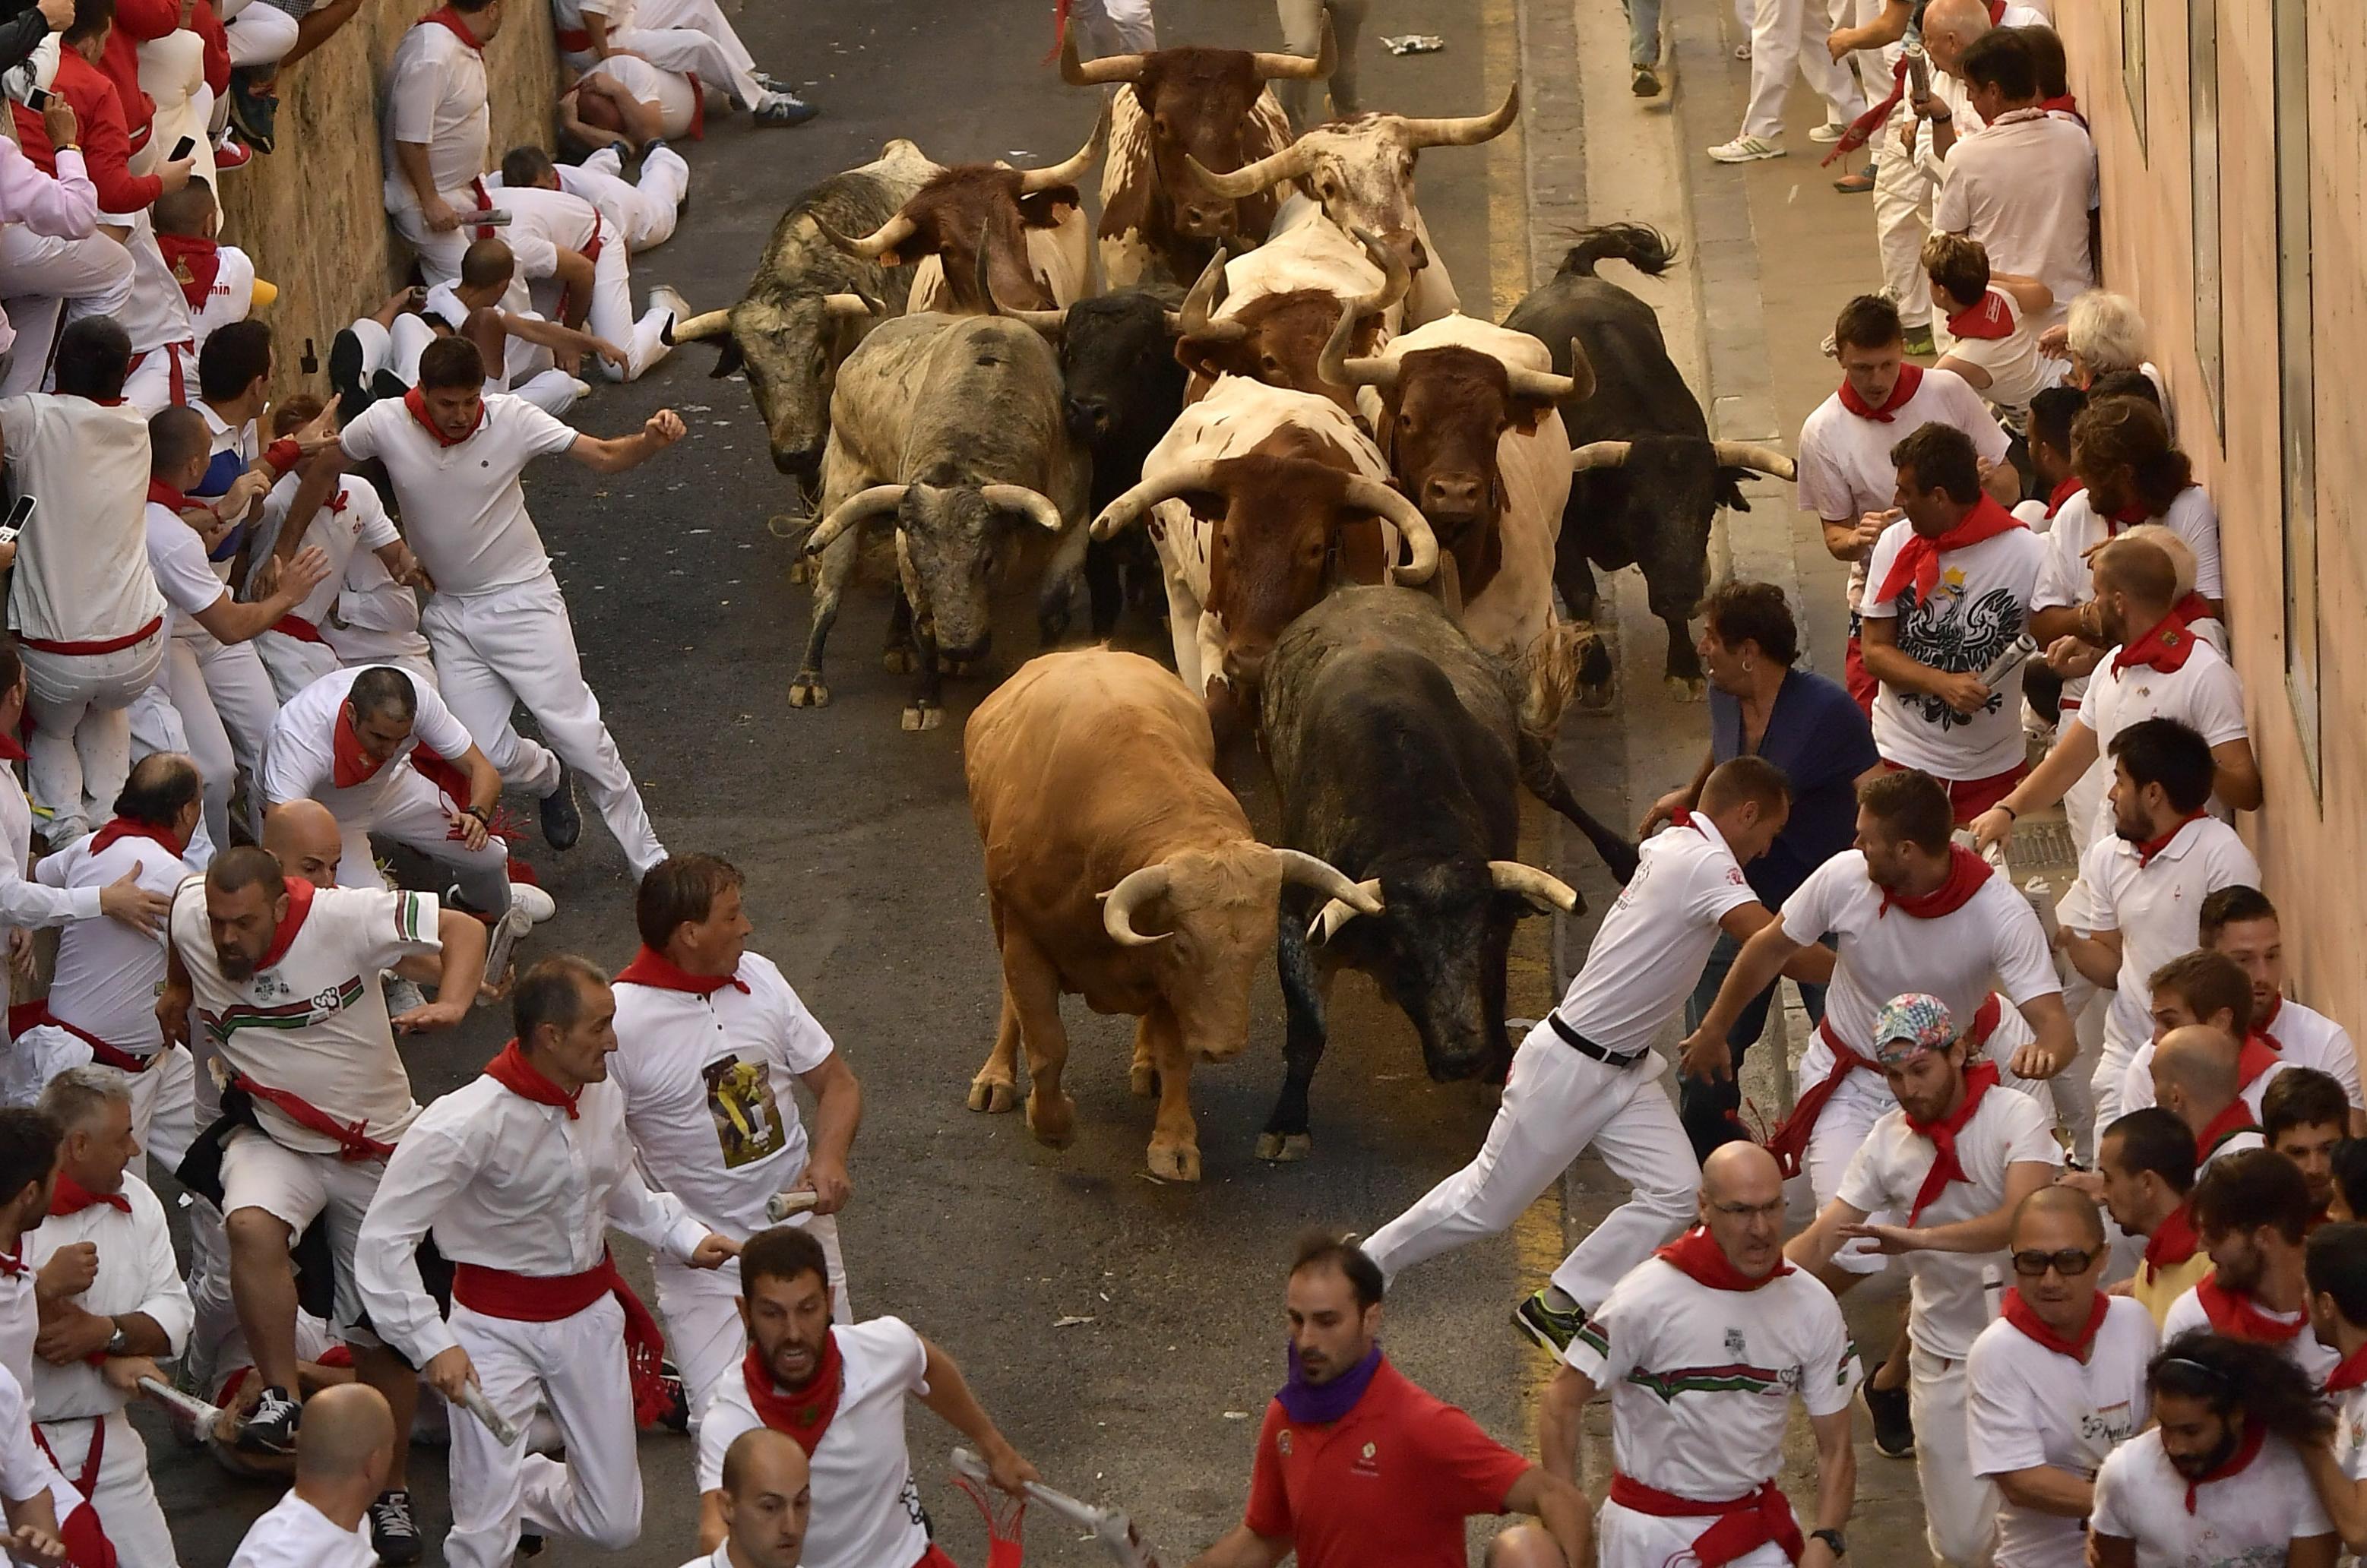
<point>1818,736</point>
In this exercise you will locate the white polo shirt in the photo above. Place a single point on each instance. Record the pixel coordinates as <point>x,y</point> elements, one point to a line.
<point>1948,1306</point>
<point>2069,578</point>
<point>352,519</point>
<point>2246,1520</point>
<point>2302,1349</point>
<point>463,509</point>
<point>2027,1405</point>
<point>81,565</point>
<point>434,96</point>
<point>709,1084</point>
<point>1976,609</point>
<point>867,1511</point>
<point>1845,469</point>
<point>1649,951</point>
<point>544,222</point>
<point>1701,1380</point>
<point>2205,693</point>
<point>137,1273</point>
<point>300,761</point>
<point>2307,1038</point>
<point>177,557</point>
<point>2024,186</point>
<point>2157,906</point>
<point>110,976</point>
<point>294,1534</point>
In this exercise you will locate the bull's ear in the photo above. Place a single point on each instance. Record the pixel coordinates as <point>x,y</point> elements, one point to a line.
<point>1199,357</point>
<point>1729,483</point>
<point>1043,210</point>
<point>1527,413</point>
<point>1207,505</point>
<point>890,258</point>
<point>727,362</point>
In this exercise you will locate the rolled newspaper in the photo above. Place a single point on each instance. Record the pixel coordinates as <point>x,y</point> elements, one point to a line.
<point>1110,1527</point>
<point>2006,663</point>
<point>781,1205</point>
<point>474,1401</point>
<point>189,1405</point>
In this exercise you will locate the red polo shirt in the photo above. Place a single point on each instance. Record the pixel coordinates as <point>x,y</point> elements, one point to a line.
<point>1390,1482</point>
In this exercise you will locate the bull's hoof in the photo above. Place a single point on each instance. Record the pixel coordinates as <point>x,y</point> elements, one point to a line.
<point>919,716</point>
<point>993,1096</point>
<point>1594,700</point>
<point>1174,1162</point>
<point>1053,1125</point>
<point>1282,1148</point>
<point>807,692</point>
<point>1686,691</point>
<point>956,669</point>
<point>1143,1081</point>
<point>897,661</point>
<point>800,569</point>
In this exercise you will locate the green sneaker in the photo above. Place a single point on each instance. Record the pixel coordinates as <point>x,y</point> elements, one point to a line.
<point>1919,341</point>
<point>1547,1325</point>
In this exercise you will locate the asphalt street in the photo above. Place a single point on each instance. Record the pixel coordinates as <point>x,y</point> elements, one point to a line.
<point>1125,1334</point>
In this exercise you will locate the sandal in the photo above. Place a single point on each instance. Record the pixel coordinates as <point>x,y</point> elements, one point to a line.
<point>1858,184</point>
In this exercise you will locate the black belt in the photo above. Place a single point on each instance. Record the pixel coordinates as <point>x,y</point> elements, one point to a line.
<point>1585,1047</point>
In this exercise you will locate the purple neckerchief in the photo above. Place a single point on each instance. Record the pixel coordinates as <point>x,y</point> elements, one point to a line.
<point>1319,1404</point>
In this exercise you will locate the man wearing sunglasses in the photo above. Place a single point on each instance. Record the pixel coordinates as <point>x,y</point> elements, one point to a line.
<point>2336,1260</point>
<point>1956,1158</point>
<point>2252,1211</point>
<point>2056,1383</point>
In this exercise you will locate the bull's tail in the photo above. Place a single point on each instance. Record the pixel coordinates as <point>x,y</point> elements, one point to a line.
<point>1640,246</point>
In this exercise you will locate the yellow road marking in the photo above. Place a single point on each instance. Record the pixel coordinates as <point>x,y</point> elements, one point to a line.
<point>1508,215</point>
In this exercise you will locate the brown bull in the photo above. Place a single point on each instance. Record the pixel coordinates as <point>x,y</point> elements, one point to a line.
<point>1119,868</point>
<point>1279,337</point>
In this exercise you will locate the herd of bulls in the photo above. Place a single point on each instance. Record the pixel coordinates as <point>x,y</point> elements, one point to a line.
<point>1359,502</point>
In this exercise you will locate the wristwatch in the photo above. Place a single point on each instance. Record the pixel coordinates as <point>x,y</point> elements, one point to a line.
<point>120,1345</point>
<point>1834,1539</point>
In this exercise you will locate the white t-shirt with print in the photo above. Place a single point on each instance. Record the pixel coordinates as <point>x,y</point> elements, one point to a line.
<point>2248,1520</point>
<point>1651,949</point>
<point>354,519</point>
<point>2027,1405</point>
<point>1979,605</point>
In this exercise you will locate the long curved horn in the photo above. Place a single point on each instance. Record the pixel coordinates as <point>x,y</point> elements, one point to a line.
<point>848,512</point>
<point>1313,871</point>
<point>872,246</point>
<point>1019,498</point>
<point>1078,72</point>
<point>704,325</point>
<point>1251,179</point>
<point>1372,495</point>
<point>1465,131</point>
<point>1548,387</point>
<point>1133,891</point>
<point>1599,455</point>
<point>1731,454</point>
<point>1396,279</point>
<point>852,304</point>
<point>1273,67</point>
<point>1546,892</point>
<point>1338,912</point>
<point>1066,171</point>
<point>1197,318</point>
<point>1130,507</point>
<point>1049,322</point>
<point>1334,364</point>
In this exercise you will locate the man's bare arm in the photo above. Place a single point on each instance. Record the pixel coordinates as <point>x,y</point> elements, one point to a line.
<point>615,454</point>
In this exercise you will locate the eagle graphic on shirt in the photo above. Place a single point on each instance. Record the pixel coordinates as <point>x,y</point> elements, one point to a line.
<point>747,1118</point>
<point>1957,631</point>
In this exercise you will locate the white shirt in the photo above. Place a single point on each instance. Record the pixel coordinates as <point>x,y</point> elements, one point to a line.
<point>2205,693</point>
<point>2157,907</point>
<point>1701,1380</point>
<point>177,557</point>
<point>301,761</point>
<point>25,1470</point>
<point>82,566</point>
<point>20,1322</point>
<point>110,976</point>
<point>2307,1038</point>
<point>294,1534</point>
<point>463,509</point>
<point>1649,953</point>
<point>1976,609</point>
<point>1948,1306</point>
<point>2302,1349</point>
<point>137,1273</point>
<point>623,209</point>
<point>2248,1520</point>
<point>370,599</point>
<point>867,1512</point>
<point>506,1182</point>
<point>354,519</point>
<point>315,1023</point>
<point>232,295</point>
<point>24,902</point>
<point>2350,1431</point>
<point>2024,187</point>
<point>2027,1405</point>
<point>434,97</point>
<point>707,1087</point>
<point>677,99</point>
<point>2017,371</point>
<point>1845,469</point>
<point>2069,577</point>
<point>544,222</point>
<point>158,312</point>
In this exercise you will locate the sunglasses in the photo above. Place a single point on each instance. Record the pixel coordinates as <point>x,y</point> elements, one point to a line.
<point>2071,1261</point>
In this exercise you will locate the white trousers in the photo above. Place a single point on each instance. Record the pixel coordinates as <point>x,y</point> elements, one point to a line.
<point>575,1367</point>
<point>1788,36</point>
<point>611,316</point>
<point>1557,1104</point>
<point>1302,34</point>
<point>664,181</point>
<point>527,368</point>
<point>261,34</point>
<point>1839,1132</point>
<point>367,645</point>
<point>163,1096</point>
<point>128,1510</point>
<point>403,804</point>
<point>226,702</point>
<point>1625,1539</point>
<point>439,255</point>
<point>517,644</point>
<point>694,38</point>
<point>90,277</point>
<point>291,662</point>
<point>1902,221</point>
<point>173,73</point>
<point>1113,27</point>
<point>80,748</point>
<point>701,1307</point>
<point>1959,1510</point>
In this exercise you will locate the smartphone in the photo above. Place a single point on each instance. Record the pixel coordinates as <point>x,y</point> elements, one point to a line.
<point>18,517</point>
<point>182,149</point>
<point>38,100</point>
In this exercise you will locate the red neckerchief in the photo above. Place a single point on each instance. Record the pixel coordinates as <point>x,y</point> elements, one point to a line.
<point>416,402</point>
<point>1702,1260</point>
<point>1966,872</point>
<point>650,967</point>
<point>1911,377</point>
<point>196,263</point>
<point>2165,648</point>
<point>123,828</point>
<point>1918,558</point>
<point>802,1417</point>
<point>1996,13</point>
<point>2022,1315</point>
<point>2350,1374</point>
<point>2246,1452</point>
<point>446,16</point>
<point>300,904</point>
<point>1991,318</point>
<point>2237,1118</point>
<point>2063,492</point>
<point>348,764</point>
<point>523,1078</point>
<point>2258,1055</point>
<point>2067,104</point>
<point>10,749</point>
<point>2172,1243</point>
<point>2128,516</point>
<point>1980,1079</point>
<point>13,1263</point>
<point>2232,1312</point>
<point>2192,608</point>
<point>165,495</point>
<point>70,1197</point>
<point>2148,848</point>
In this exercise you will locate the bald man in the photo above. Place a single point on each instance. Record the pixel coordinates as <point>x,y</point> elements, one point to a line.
<point>2197,1080</point>
<point>766,1497</point>
<point>343,1450</point>
<point>1697,1424</point>
<point>2056,1382</point>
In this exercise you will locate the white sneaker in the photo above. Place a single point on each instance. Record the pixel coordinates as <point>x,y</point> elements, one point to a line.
<point>539,905</point>
<point>1745,149</point>
<point>1828,134</point>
